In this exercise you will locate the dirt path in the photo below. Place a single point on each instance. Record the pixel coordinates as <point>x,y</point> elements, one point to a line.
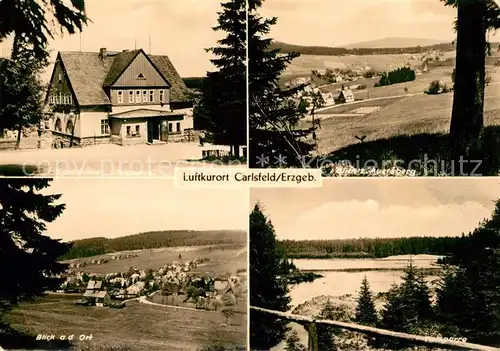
<point>144,300</point>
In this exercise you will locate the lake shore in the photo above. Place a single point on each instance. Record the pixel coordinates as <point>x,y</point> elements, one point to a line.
<point>339,284</point>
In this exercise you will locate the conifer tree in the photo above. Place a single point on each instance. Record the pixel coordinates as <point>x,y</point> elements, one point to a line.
<point>28,258</point>
<point>293,343</point>
<point>275,138</point>
<point>222,108</point>
<point>365,309</point>
<point>472,283</point>
<point>409,303</point>
<point>326,332</point>
<point>268,287</point>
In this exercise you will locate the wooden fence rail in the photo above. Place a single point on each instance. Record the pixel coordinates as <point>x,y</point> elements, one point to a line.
<point>417,339</point>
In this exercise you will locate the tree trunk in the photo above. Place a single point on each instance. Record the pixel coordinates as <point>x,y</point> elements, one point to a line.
<point>3,68</point>
<point>313,337</point>
<point>468,100</point>
<point>19,132</point>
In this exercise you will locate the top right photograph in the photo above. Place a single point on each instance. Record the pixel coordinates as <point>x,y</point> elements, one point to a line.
<point>402,88</point>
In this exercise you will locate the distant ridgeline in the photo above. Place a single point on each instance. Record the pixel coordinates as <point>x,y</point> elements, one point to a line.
<point>330,51</point>
<point>370,248</point>
<point>195,83</point>
<point>153,240</point>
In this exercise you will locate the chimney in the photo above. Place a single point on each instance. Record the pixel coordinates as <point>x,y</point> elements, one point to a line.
<point>102,53</point>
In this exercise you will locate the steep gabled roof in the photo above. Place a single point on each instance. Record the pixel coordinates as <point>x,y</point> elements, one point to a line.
<point>88,74</point>
<point>347,93</point>
<point>94,285</point>
<point>179,91</point>
<point>120,64</point>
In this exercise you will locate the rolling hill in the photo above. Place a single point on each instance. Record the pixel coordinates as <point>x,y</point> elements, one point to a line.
<point>343,51</point>
<point>152,240</point>
<point>396,42</point>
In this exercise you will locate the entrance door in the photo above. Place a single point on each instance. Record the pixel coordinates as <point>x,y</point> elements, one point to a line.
<point>156,129</point>
<point>164,131</point>
<point>150,131</point>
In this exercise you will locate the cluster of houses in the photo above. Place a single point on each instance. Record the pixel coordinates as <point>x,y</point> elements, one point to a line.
<point>81,264</point>
<point>432,55</point>
<point>172,278</point>
<point>308,94</point>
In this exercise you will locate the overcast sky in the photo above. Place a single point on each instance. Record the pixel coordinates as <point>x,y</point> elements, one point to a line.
<point>340,22</point>
<point>352,208</point>
<point>117,207</point>
<point>180,29</point>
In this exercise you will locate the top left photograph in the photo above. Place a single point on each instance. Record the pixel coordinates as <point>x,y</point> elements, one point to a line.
<point>121,87</point>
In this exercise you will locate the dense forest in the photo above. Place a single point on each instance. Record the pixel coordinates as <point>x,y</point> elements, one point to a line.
<point>152,240</point>
<point>369,247</point>
<point>195,83</point>
<point>331,51</point>
<point>400,75</point>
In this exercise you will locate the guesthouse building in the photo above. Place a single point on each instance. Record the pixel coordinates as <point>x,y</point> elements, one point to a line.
<point>126,98</point>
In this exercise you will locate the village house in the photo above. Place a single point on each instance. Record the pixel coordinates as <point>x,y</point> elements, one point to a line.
<point>95,295</point>
<point>345,95</point>
<point>125,98</point>
<point>220,284</point>
<point>135,289</point>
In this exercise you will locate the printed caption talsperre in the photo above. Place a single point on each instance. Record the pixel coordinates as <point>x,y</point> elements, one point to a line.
<point>244,177</point>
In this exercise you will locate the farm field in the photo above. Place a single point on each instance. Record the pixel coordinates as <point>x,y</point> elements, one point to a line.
<point>417,86</point>
<point>135,327</point>
<point>222,259</point>
<point>350,107</point>
<point>177,300</point>
<point>303,64</point>
<point>413,114</point>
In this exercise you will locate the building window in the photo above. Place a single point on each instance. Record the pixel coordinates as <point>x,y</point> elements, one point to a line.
<point>131,97</point>
<point>129,133</point>
<point>178,127</point>
<point>151,96</point>
<point>137,96</point>
<point>162,97</point>
<point>141,76</point>
<point>59,79</point>
<point>70,99</point>
<point>65,99</point>
<point>61,98</point>
<point>120,97</point>
<point>69,127</point>
<point>170,129</point>
<point>144,96</point>
<point>51,99</point>
<point>137,130</point>
<point>104,126</point>
<point>58,125</point>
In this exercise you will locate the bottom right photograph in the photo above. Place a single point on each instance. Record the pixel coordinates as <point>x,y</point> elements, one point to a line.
<point>376,264</point>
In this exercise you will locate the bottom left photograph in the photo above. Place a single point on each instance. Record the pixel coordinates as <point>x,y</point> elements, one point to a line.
<point>122,264</point>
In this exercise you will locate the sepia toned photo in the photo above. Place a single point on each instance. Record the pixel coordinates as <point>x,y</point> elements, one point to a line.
<point>375,88</point>
<point>121,87</point>
<point>379,264</point>
<point>122,264</point>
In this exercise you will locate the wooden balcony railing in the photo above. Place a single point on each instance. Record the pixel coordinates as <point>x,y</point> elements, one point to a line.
<point>310,324</point>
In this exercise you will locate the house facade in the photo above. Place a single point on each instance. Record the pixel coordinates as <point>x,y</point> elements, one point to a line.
<point>346,95</point>
<point>95,295</point>
<point>124,98</point>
